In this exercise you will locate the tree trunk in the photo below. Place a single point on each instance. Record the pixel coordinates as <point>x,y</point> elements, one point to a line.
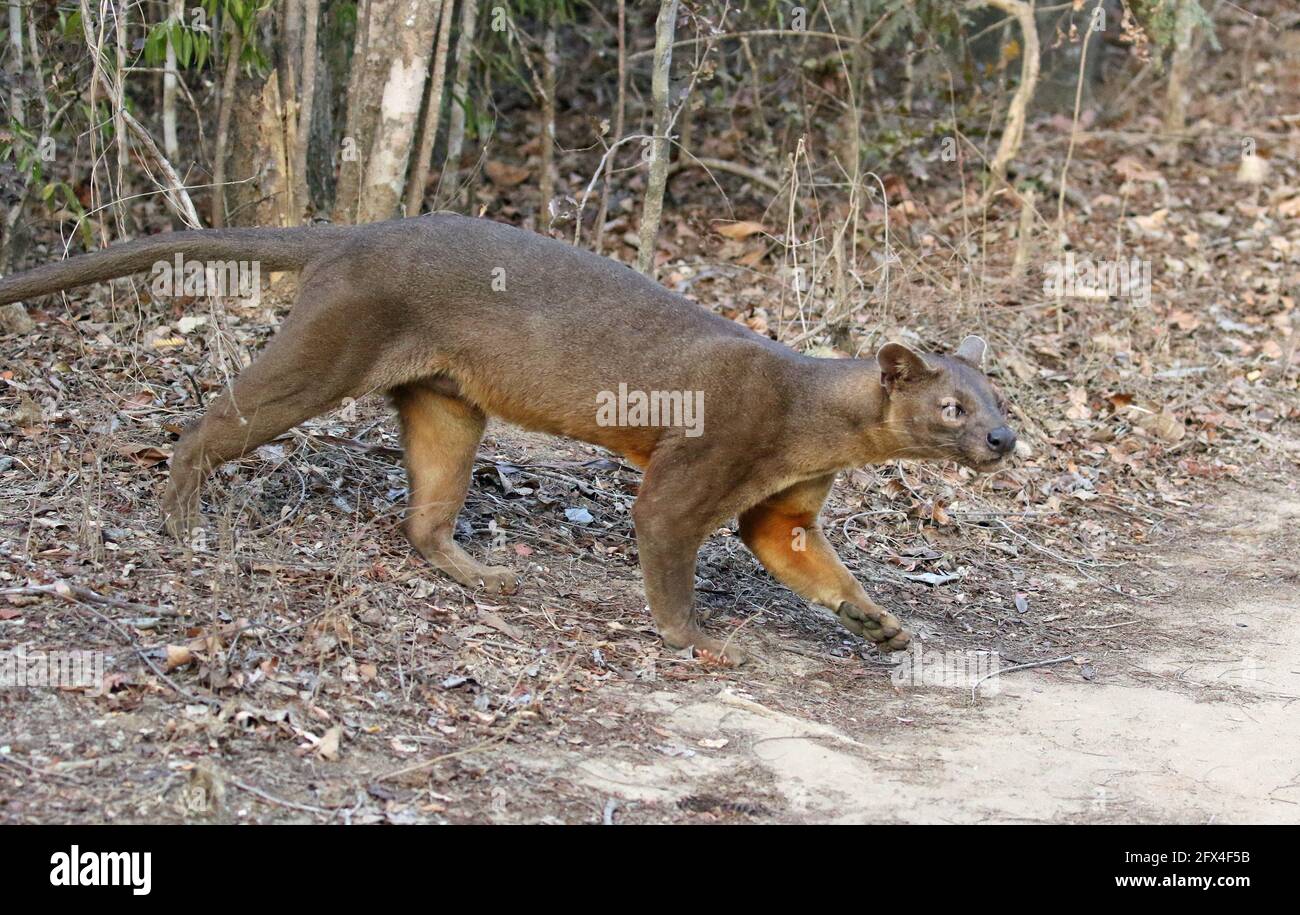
<point>118,95</point>
<point>1014,130</point>
<point>368,58</point>
<point>228,84</point>
<point>389,67</point>
<point>1180,67</point>
<point>288,53</point>
<point>171,146</point>
<point>432,112</point>
<point>306,98</point>
<point>652,209</point>
<point>15,64</point>
<point>259,159</point>
<point>289,58</point>
<point>548,128</point>
<point>619,114</point>
<point>459,94</point>
<point>16,102</point>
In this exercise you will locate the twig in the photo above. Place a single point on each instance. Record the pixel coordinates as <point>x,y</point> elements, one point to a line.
<point>482,745</point>
<point>815,655</point>
<point>1006,670</point>
<point>753,33</point>
<point>279,802</point>
<point>722,165</point>
<point>577,228</point>
<point>84,597</point>
<point>8,759</point>
<point>176,196</point>
<point>143,655</point>
<point>77,594</point>
<point>1074,133</point>
<point>1014,130</point>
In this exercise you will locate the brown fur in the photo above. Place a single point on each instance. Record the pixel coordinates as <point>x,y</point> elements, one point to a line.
<point>409,307</point>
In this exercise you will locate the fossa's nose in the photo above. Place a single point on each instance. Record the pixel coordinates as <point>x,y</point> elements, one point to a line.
<point>1002,440</point>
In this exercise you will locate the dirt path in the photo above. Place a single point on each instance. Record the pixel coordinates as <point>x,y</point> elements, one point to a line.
<point>1206,729</point>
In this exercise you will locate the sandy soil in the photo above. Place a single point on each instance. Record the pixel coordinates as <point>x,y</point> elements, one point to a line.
<point>1203,731</point>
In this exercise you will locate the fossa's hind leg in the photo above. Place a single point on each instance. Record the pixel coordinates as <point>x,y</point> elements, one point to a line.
<point>296,377</point>
<point>440,435</point>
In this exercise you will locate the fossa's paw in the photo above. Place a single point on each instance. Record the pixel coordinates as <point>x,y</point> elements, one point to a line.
<point>180,525</point>
<point>709,651</point>
<point>478,577</point>
<point>720,655</point>
<point>493,579</point>
<point>874,623</point>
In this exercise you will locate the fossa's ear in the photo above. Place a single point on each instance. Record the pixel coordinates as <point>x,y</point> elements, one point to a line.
<point>899,363</point>
<point>973,349</point>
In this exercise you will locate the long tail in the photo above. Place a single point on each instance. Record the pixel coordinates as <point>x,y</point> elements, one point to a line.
<point>273,249</point>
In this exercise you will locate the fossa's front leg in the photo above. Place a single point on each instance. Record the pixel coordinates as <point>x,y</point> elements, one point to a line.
<point>782,532</point>
<point>673,514</point>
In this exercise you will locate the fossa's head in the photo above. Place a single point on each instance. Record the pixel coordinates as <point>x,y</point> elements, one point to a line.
<point>945,407</point>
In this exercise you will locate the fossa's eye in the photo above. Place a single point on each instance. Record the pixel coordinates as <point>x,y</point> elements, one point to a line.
<point>953,412</point>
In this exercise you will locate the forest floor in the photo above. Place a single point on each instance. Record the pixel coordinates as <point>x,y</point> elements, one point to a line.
<point>300,664</point>
<point>1175,700</point>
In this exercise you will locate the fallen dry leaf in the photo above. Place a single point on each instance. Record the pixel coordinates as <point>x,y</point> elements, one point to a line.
<point>178,656</point>
<point>488,618</point>
<point>502,174</point>
<point>739,230</point>
<point>1132,169</point>
<point>1159,424</point>
<point>1153,222</point>
<point>1184,320</point>
<point>28,412</point>
<point>328,748</point>
<point>143,455</point>
<point>1078,408</point>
